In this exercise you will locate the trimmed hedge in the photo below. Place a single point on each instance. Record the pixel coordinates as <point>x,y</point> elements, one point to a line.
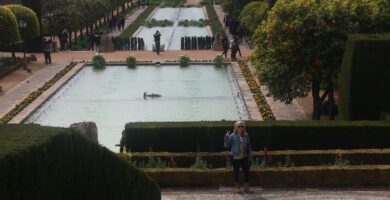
<point>54,163</point>
<point>8,27</point>
<point>32,30</point>
<point>275,135</point>
<point>299,158</point>
<point>367,175</point>
<point>364,79</point>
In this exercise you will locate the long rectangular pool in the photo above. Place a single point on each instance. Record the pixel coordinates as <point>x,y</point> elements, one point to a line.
<point>114,96</point>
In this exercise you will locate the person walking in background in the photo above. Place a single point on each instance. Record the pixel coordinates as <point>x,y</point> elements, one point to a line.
<point>64,38</point>
<point>241,152</point>
<point>122,22</point>
<point>122,143</point>
<point>237,45</point>
<point>225,45</point>
<point>47,50</point>
<point>157,38</point>
<point>233,50</point>
<point>91,38</point>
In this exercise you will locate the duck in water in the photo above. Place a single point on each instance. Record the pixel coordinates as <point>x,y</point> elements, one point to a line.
<point>151,95</point>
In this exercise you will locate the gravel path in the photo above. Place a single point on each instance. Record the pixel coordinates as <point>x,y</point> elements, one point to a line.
<point>277,194</point>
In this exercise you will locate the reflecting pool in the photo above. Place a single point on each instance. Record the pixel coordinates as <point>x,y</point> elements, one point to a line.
<point>114,96</point>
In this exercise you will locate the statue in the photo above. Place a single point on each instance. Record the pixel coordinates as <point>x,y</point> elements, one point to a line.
<point>217,46</point>
<point>105,43</point>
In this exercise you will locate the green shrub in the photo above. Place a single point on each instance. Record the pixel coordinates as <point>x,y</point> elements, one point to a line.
<point>219,60</point>
<point>321,176</point>
<point>158,23</point>
<point>98,61</point>
<point>32,29</point>
<point>131,61</point>
<point>8,27</point>
<point>275,135</point>
<point>56,163</point>
<point>184,61</point>
<point>364,80</point>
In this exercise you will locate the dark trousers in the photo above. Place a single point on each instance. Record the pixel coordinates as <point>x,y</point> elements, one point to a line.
<point>47,57</point>
<point>241,163</point>
<point>158,47</point>
<point>225,50</point>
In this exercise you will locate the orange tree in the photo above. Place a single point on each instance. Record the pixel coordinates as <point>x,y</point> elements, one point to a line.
<point>299,48</point>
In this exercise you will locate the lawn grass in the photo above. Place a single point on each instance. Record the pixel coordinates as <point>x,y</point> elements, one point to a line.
<point>215,24</point>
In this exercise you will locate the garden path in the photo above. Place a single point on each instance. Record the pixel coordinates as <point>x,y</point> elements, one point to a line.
<point>276,194</point>
<point>130,18</point>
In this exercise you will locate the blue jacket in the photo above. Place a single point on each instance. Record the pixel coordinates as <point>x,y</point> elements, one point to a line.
<point>233,141</point>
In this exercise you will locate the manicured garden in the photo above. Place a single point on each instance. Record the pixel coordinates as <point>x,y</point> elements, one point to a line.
<point>353,153</point>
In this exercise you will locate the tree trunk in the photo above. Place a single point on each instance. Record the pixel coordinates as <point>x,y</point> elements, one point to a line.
<point>75,36</point>
<point>13,51</point>
<point>70,39</point>
<point>331,102</point>
<point>100,22</point>
<point>81,33</point>
<point>315,91</point>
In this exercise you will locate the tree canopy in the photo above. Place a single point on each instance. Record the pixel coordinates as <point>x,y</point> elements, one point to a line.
<point>253,14</point>
<point>300,46</point>
<point>8,27</point>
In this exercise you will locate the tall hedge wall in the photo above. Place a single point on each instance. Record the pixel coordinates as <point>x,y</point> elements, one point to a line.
<point>54,163</point>
<point>364,79</point>
<point>277,135</point>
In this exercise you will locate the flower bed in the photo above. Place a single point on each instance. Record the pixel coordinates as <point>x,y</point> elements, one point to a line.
<point>34,95</point>
<point>263,159</point>
<point>264,108</point>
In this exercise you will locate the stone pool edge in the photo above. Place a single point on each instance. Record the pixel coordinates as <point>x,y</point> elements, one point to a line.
<point>37,103</point>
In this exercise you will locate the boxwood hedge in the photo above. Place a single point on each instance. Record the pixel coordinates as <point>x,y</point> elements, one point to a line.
<point>364,79</point>
<point>275,135</point>
<point>55,163</point>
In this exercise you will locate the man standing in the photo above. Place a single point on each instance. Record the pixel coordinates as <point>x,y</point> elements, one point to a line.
<point>157,37</point>
<point>47,51</point>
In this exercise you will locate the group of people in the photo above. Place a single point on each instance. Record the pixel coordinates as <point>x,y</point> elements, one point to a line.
<point>239,144</point>
<point>143,3</point>
<point>116,23</point>
<point>94,40</point>
<point>234,45</point>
